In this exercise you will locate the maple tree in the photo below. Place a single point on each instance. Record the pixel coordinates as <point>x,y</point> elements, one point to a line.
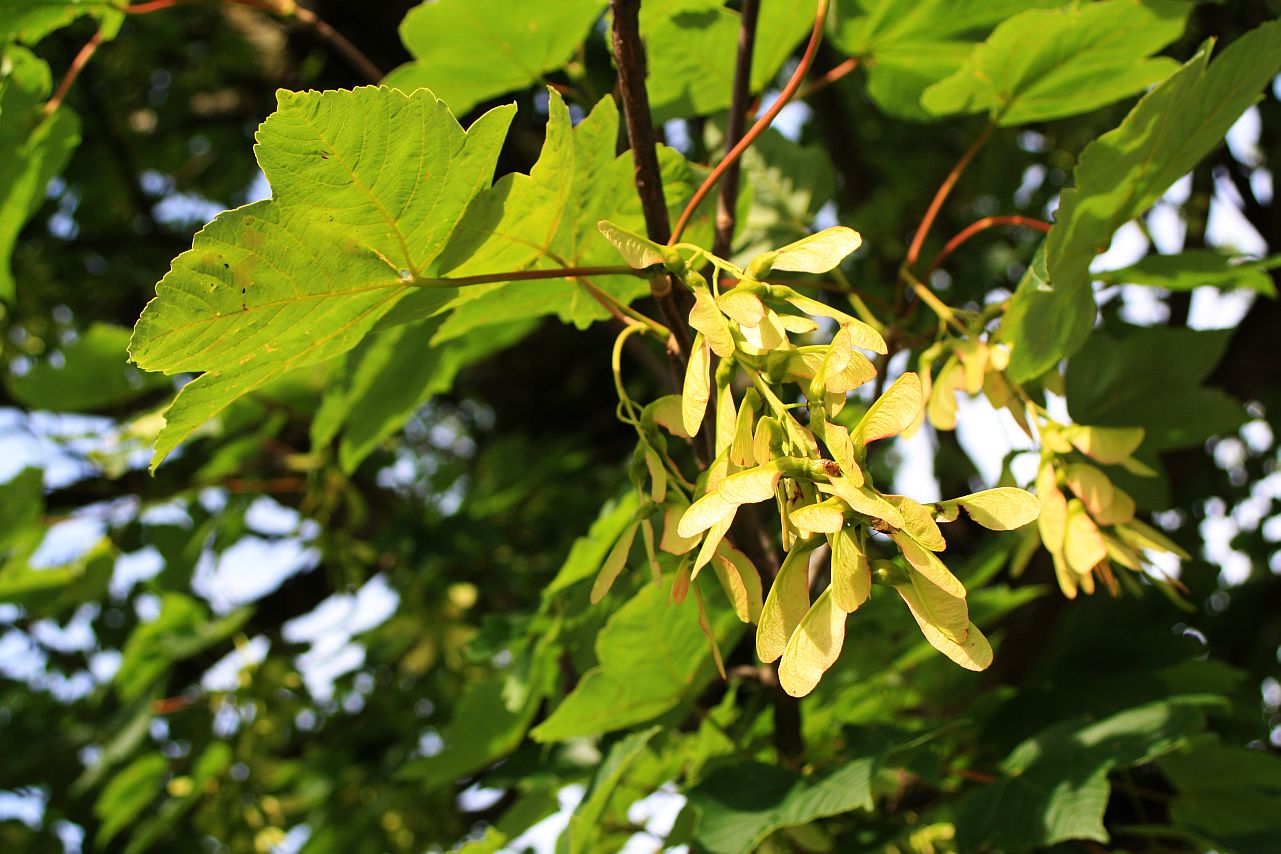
<point>526,328</point>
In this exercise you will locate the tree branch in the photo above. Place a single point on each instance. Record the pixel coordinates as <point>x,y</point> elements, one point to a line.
<point>629,58</point>
<point>807,59</point>
<point>728,199</point>
<point>927,221</point>
<point>77,65</point>
<point>982,225</point>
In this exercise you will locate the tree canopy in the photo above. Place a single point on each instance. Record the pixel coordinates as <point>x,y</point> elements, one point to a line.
<point>604,425</point>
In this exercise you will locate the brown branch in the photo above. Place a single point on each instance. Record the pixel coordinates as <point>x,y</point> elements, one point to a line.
<point>728,199</point>
<point>927,221</point>
<point>629,58</point>
<point>793,84</point>
<point>982,225</point>
<point>77,66</point>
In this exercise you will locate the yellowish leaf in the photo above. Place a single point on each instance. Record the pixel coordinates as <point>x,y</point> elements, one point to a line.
<point>706,317</point>
<point>711,540</point>
<point>797,324</point>
<point>930,605</point>
<point>1123,553</point>
<point>863,500</point>
<point>614,564</point>
<point>1108,445</point>
<point>768,441</point>
<point>740,451</point>
<point>725,418</point>
<point>825,517</point>
<point>928,564</point>
<point>743,305</point>
<point>1083,546</point>
<point>704,513</point>
<point>680,584</point>
<point>1120,511</point>
<point>1144,536</point>
<point>837,440</point>
<point>666,413</point>
<point>751,485</point>
<point>1091,486</point>
<point>767,335</point>
<point>698,386</point>
<point>655,571</point>
<point>941,409</point>
<point>1053,519</point>
<point>657,476</point>
<point>639,252</point>
<point>786,604</point>
<point>813,647</point>
<point>892,413</point>
<point>851,571</point>
<point>1002,509</point>
<point>973,356</point>
<point>672,542</point>
<point>817,253</point>
<point>974,653</point>
<point>741,581</point>
<point>919,523</point>
<point>706,626</point>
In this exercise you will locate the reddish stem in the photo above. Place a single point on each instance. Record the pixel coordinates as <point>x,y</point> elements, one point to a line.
<point>807,59</point>
<point>927,221</point>
<point>982,225</point>
<point>77,65</point>
<point>823,81</point>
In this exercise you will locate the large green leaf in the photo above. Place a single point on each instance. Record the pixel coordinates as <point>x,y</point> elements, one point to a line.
<point>93,373</point>
<point>29,21</point>
<point>482,731</point>
<point>1120,175</point>
<point>547,219</point>
<point>691,46</point>
<point>1197,268</point>
<point>368,185</point>
<point>1228,793</point>
<point>34,147</point>
<point>1151,377</point>
<point>652,655</point>
<point>380,384</point>
<point>468,51</point>
<point>906,47</point>
<point>1049,63</point>
<point>742,804</point>
<point>1054,786</point>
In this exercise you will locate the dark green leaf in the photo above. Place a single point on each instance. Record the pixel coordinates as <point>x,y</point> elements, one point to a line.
<point>1151,377</point>
<point>742,804</point>
<point>469,51</point>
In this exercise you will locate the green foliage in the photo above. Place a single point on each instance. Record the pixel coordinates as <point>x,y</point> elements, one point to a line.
<point>34,147</point>
<point>1119,176</point>
<point>486,493</point>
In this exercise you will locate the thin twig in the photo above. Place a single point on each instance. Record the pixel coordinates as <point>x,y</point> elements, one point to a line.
<point>927,221</point>
<point>982,225</point>
<point>73,72</point>
<point>339,44</point>
<point>728,200</point>
<point>524,275</point>
<point>807,59</point>
<point>821,82</point>
<point>321,29</point>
